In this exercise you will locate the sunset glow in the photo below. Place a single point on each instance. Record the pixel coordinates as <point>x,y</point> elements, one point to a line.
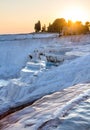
<point>19,16</point>
<point>75,13</point>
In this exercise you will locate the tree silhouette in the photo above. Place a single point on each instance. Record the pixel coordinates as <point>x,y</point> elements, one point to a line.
<point>64,28</point>
<point>44,28</point>
<point>37,26</point>
<point>50,28</point>
<point>57,25</point>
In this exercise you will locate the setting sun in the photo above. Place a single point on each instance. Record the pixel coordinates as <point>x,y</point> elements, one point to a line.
<point>75,14</point>
<point>19,16</point>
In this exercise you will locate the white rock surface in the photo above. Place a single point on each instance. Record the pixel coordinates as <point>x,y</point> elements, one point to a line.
<point>36,80</point>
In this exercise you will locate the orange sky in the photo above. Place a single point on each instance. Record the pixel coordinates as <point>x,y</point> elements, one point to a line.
<point>19,16</point>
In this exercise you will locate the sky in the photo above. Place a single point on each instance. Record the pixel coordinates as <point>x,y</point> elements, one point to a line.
<point>19,16</point>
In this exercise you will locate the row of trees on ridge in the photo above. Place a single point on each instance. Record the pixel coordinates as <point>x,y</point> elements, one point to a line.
<point>63,27</point>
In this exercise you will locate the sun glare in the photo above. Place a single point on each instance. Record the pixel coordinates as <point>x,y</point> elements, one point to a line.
<point>75,14</point>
